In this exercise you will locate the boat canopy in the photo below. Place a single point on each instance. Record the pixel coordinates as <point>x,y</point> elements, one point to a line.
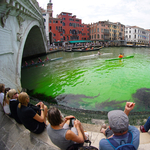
<point>80,41</point>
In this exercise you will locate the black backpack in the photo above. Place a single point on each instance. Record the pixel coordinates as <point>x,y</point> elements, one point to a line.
<point>127,146</point>
<point>81,147</point>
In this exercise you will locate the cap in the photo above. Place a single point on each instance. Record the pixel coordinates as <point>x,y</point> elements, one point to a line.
<point>118,121</point>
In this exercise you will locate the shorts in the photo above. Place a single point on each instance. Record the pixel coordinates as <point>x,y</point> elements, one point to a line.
<point>40,128</point>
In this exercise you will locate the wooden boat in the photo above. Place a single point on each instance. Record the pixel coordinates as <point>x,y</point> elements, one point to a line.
<point>68,50</point>
<point>131,56</point>
<point>35,64</point>
<point>87,49</point>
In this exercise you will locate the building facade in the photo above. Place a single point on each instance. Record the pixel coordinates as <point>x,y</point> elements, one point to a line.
<point>99,31</point>
<point>46,15</point>
<point>107,31</point>
<point>65,27</point>
<point>70,28</point>
<point>136,35</point>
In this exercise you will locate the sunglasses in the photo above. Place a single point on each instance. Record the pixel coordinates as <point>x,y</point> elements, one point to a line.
<point>15,93</point>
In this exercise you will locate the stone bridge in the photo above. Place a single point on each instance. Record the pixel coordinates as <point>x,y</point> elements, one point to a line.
<point>22,35</point>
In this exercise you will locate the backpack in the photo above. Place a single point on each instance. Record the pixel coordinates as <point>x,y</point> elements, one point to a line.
<point>127,146</point>
<point>81,147</point>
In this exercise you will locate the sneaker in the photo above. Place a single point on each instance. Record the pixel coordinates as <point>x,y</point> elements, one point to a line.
<point>142,129</point>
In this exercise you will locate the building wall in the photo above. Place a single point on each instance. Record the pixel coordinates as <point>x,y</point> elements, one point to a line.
<point>55,27</point>
<point>72,27</point>
<point>105,30</point>
<point>136,34</point>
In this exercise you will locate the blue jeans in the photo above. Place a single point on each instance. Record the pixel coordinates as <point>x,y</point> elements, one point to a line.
<point>147,125</point>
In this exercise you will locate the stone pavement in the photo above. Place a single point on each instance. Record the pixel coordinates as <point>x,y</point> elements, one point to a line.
<point>15,137</point>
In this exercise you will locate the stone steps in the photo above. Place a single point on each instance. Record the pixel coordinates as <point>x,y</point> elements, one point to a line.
<point>15,137</point>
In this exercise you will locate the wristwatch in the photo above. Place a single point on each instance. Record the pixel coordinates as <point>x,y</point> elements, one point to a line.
<point>42,109</point>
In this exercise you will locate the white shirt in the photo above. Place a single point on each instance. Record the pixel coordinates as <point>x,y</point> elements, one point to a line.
<point>1,98</point>
<point>6,108</point>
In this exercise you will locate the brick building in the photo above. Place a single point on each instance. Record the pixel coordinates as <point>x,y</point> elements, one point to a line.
<point>65,27</point>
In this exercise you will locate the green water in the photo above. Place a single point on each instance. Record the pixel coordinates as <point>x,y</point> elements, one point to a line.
<point>83,80</point>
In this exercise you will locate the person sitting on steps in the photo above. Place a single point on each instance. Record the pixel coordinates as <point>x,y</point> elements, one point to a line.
<point>119,129</point>
<point>12,97</point>
<point>59,131</point>
<point>29,117</point>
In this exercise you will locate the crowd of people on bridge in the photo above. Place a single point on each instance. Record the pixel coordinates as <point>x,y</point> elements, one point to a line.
<point>68,131</point>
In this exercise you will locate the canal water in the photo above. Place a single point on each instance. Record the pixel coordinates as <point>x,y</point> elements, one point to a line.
<point>87,81</point>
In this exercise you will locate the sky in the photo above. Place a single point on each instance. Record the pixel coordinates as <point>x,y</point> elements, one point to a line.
<point>127,12</point>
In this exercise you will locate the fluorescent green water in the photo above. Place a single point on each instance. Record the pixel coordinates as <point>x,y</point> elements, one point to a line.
<point>86,81</point>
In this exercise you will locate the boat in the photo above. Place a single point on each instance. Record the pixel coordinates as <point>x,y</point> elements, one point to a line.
<point>68,50</point>
<point>87,49</point>
<point>131,56</point>
<point>35,64</point>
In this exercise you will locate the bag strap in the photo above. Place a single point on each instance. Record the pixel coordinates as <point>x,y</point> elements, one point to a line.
<point>130,137</point>
<point>88,141</point>
<point>114,144</point>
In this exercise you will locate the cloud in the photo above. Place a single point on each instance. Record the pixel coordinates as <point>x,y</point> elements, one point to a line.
<point>129,12</point>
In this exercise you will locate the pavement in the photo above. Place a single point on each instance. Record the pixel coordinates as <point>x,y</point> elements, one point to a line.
<point>14,136</point>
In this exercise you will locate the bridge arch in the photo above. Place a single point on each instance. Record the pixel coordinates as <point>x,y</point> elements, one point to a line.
<point>31,43</point>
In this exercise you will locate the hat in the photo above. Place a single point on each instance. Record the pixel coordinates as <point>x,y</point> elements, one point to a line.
<point>118,121</point>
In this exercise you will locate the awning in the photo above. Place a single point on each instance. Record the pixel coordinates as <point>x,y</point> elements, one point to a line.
<point>80,41</point>
<point>59,42</point>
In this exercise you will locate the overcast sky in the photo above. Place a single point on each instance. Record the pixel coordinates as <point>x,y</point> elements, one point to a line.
<point>127,12</point>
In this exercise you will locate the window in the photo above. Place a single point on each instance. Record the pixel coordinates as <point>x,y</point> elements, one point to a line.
<point>50,28</point>
<point>129,36</point>
<point>50,21</point>
<point>98,36</point>
<point>70,24</point>
<point>63,24</point>
<point>64,18</point>
<point>54,34</point>
<point>44,20</point>
<point>97,29</point>
<point>56,28</point>
<point>54,21</point>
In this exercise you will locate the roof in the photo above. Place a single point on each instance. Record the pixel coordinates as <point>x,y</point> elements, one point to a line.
<point>80,41</point>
